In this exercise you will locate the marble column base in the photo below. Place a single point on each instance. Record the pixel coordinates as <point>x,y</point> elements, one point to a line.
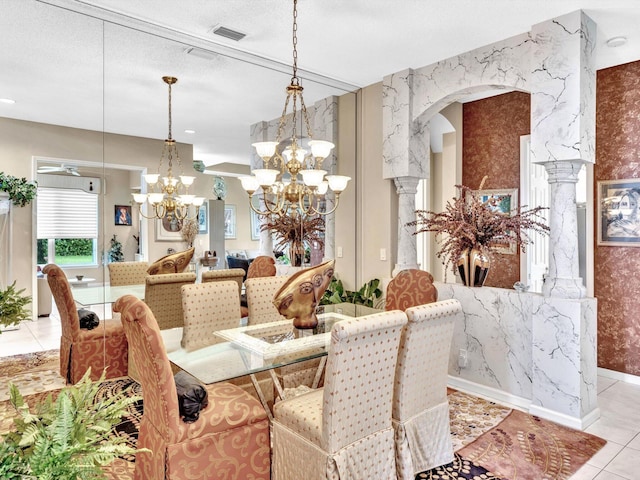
<point>564,287</point>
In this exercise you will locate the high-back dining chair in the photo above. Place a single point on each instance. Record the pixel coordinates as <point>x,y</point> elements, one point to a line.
<point>230,439</point>
<point>409,288</point>
<point>224,275</point>
<point>344,431</point>
<point>208,307</point>
<point>260,292</point>
<point>103,347</point>
<point>420,406</point>
<point>127,273</point>
<point>162,294</point>
<point>262,266</point>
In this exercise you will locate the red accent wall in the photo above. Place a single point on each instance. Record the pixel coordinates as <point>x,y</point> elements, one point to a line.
<point>617,269</point>
<point>492,128</point>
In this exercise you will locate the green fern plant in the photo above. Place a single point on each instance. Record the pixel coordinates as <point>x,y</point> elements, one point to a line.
<point>66,439</point>
<point>13,306</point>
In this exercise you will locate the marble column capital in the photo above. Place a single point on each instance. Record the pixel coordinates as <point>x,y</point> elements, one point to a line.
<point>563,171</point>
<point>406,185</point>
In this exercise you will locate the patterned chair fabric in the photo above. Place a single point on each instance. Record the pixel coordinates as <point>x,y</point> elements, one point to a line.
<point>420,407</point>
<point>235,274</point>
<point>260,292</point>
<point>100,348</point>
<point>344,430</point>
<point>229,440</point>
<point>208,307</point>
<point>410,288</point>
<point>262,266</point>
<point>162,294</point>
<point>127,273</point>
<point>172,263</point>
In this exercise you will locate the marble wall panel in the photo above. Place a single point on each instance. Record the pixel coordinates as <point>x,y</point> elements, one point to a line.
<point>537,348</point>
<point>492,128</point>
<point>616,284</point>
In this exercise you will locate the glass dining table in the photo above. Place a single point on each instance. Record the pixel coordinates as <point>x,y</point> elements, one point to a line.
<point>248,350</point>
<point>105,294</point>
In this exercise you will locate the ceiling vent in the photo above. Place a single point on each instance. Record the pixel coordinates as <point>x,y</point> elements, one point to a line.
<point>200,53</point>
<point>228,33</point>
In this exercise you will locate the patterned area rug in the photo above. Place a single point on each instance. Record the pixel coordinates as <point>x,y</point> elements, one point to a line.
<point>491,442</point>
<point>31,373</point>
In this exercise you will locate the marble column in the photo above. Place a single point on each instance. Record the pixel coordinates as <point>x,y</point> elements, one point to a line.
<point>406,188</point>
<point>563,279</point>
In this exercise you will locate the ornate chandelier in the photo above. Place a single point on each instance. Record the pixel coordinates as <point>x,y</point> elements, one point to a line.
<point>168,201</point>
<point>282,195</point>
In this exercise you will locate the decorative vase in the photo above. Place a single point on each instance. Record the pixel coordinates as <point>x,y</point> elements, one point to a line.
<point>299,296</point>
<point>296,253</point>
<point>473,267</point>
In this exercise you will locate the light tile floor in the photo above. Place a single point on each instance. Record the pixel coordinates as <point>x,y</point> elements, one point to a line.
<point>619,403</point>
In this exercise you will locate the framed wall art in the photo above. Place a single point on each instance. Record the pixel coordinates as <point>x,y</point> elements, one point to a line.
<point>505,201</point>
<point>168,230</point>
<point>229,221</point>
<point>123,215</point>
<point>618,216</point>
<point>255,226</point>
<point>203,218</point>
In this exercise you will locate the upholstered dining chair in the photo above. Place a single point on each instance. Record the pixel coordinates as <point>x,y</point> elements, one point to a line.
<point>260,292</point>
<point>103,347</point>
<point>162,294</point>
<point>127,273</point>
<point>262,266</point>
<point>208,307</point>
<point>409,288</point>
<point>172,263</point>
<point>420,407</point>
<point>230,439</point>
<point>224,275</point>
<point>344,430</point>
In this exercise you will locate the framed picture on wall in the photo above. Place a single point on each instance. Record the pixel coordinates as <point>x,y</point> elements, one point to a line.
<point>504,201</point>
<point>229,221</point>
<point>255,226</point>
<point>168,230</point>
<point>203,219</point>
<point>619,212</point>
<point>123,215</point>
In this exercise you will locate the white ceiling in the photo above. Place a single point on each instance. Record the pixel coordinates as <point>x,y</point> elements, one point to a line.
<point>64,65</point>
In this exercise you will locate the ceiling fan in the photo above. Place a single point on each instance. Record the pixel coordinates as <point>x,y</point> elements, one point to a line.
<point>69,170</point>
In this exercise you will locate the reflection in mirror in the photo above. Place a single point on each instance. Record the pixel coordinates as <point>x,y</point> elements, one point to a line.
<point>102,114</point>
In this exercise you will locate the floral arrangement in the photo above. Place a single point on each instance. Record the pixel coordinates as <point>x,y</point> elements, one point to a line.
<point>189,231</point>
<point>296,228</point>
<point>20,190</point>
<point>469,222</point>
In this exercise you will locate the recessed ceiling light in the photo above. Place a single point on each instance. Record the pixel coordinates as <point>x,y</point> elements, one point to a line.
<point>190,131</point>
<point>616,41</point>
<point>7,100</point>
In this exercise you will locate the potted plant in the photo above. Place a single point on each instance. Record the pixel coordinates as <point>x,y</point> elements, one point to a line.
<point>21,191</point>
<point>13,306</point>
<point>470,228</point>
<point>67,439</point>
<point>295,230</point>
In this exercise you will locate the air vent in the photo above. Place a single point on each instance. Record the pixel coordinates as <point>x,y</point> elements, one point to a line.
<point>200,53</point>
<point>228,33</point>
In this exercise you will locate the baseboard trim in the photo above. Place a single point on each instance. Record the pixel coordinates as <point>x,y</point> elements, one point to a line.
<point>499,396</point>
<point>488,393</point>
<point>623,377</point>
<point>563,419</point>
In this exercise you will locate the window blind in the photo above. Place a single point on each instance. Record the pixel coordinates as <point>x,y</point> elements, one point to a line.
<point>66,213</point>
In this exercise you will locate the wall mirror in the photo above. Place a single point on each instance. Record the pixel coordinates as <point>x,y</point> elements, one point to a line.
<point>91,103</point>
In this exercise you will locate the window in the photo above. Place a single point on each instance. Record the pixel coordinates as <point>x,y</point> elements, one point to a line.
<point>67,227</point>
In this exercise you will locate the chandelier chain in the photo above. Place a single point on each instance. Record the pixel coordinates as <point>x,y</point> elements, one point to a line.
<point>169,112</point>
<point>294,79</point>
